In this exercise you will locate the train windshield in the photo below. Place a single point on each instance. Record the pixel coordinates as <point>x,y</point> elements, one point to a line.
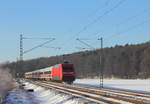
<point>68,67</point>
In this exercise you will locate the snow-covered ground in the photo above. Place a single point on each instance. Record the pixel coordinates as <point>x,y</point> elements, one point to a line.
<point>134,85</point>
<point>48,96</point>
<point>41,95</point>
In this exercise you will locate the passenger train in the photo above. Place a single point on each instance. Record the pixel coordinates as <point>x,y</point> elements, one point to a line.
<point>60,73</point>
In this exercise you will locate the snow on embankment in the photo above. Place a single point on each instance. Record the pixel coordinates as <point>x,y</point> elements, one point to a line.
<point>49,96</point>
<point>6,83</point>
<point>43,95</point>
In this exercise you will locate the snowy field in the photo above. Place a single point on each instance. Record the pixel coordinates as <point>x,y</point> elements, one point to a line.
<point>133,85</point>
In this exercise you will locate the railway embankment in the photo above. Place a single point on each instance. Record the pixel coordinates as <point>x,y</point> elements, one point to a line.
<point>41,95</point>
<point>6,83</point>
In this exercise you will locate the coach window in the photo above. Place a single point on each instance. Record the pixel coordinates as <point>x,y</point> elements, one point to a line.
<point>48,72</point>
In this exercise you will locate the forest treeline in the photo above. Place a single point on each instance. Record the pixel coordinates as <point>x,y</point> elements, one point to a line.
<point>128,62</point>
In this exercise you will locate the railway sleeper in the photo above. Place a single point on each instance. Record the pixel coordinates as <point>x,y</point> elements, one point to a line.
<point>109,94</point>
<point>106,94</point>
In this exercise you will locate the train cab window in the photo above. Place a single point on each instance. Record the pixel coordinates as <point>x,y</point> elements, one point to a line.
<point>67,67</point>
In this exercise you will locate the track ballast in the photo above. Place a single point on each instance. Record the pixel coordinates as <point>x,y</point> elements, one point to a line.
<point>99,95</point>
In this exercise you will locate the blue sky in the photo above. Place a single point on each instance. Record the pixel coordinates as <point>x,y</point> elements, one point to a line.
<point>129,23</point>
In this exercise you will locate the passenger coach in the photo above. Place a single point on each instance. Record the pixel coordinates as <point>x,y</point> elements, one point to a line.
<point>60,73</point>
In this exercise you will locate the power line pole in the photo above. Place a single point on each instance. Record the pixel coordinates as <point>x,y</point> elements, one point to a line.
<point>21,47</point>
<point>101,62</point>
<point>21,56</point>
<point>100,58</point>
<point>22,52</point>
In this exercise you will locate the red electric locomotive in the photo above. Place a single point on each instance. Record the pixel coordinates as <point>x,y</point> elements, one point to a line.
<point>60,73</point>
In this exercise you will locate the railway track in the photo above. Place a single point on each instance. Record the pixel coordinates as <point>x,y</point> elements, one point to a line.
<point>121,93</point>
<point>99,95</point>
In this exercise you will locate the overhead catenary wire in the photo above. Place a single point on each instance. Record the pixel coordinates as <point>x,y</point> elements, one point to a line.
<point>96,20</point>
<point>95,11</point>
<point>37,38</point>
<point>134,16</point>
<point>99,8</point>
<point>132,27</point>
<point>85,43</point>
<point>130,18</point>
<point>38,46</point>
<point>128,29</point>
<point>53,47</point>
<point>99,17</point>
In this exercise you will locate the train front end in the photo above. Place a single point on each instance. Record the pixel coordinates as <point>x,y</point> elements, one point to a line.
<point>68,73</point>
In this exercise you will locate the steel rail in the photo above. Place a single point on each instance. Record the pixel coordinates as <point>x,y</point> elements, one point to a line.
<point>100,92</point>
<point>82,94</point>
<point>117,91</point>
<point>86,92</point>
<point>129,94</point>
